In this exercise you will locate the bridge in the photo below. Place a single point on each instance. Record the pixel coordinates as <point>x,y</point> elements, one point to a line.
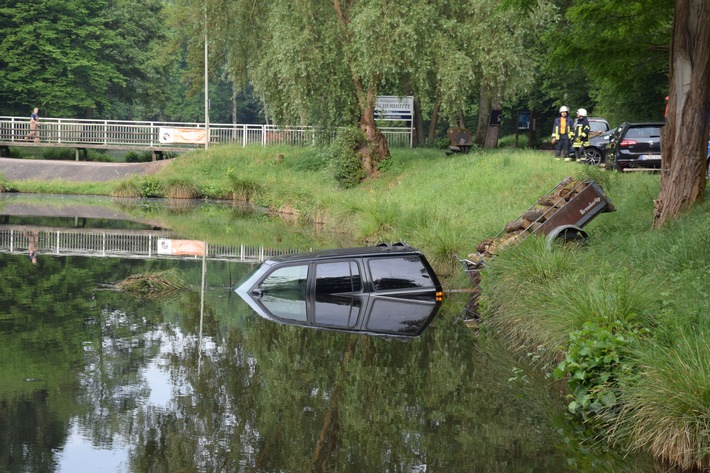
<point>161,137</point>
<point>131,244</point>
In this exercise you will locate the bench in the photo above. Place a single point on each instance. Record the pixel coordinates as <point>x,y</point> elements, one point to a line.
<point>460,141</point>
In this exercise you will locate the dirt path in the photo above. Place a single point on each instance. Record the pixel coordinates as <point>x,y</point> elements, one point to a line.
<point>75,171</point>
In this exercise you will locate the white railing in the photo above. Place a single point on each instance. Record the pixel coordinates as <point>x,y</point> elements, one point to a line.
<point>119,245</point>
<point>146,134</point>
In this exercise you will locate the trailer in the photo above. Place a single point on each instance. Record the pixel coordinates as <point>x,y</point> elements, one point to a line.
<point>560,214</point>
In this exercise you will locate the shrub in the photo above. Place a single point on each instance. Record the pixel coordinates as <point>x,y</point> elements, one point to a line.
<point>136,157</point>
<point>345,162</point>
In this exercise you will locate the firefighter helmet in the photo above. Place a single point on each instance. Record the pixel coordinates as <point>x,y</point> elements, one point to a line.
<point>564,109</point>
<point>582,112</point>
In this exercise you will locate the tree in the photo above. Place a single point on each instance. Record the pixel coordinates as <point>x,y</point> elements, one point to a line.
<point>75,58</point>
<point>594,46</point>
<point>684,138</point>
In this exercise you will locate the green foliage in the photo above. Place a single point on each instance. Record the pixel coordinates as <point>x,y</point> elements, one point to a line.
<point>151,187</point>
<point>69,154</point>
<point>5,185</point>
<point>344,157</point>
<point>243,188</point>
<point>145,187</point>
<point>666,404</point>
<point>136,157</point>
<point>594,355</point>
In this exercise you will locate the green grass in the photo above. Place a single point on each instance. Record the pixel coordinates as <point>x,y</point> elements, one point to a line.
<point>645,290</point>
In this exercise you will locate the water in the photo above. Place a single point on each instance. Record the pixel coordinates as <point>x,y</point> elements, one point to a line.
<point>95,379</point>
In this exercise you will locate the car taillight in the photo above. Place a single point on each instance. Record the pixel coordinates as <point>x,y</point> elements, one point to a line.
<point>627,142</point>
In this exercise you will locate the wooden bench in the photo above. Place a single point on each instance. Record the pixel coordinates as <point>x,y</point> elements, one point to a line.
<point>460,141</point>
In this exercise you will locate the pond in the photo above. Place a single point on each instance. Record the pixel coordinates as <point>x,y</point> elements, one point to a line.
<point>94,378</point>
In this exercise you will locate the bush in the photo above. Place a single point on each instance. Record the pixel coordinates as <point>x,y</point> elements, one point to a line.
<point>345,162</point>
<point>69,154</point>
<point>136,157</point>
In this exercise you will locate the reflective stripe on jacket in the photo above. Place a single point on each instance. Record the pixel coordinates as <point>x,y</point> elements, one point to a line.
<point>580,133</point>
<point>557,129</point>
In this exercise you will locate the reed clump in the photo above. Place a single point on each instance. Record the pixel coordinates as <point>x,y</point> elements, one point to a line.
<point>154,286</point>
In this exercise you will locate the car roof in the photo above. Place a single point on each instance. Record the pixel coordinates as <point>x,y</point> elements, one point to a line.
<point>365,251</point>
<point>644,124</point>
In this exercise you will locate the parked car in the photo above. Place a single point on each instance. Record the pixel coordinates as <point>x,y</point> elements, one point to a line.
<point>599,146</point>
<point>599,134</point>
<point>597,126</point>
<point>638,146</point>
<point>386,290</point>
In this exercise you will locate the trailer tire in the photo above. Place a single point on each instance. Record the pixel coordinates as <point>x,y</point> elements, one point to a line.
<point>566,234</point>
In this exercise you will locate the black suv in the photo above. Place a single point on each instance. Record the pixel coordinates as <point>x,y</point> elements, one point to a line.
<point>638,145</point>
<point>386,290</point>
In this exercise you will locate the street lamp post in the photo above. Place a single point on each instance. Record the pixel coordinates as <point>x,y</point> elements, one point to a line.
<point>207,100</point>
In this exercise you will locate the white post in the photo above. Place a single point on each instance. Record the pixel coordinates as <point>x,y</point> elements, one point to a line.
<point>207,99</point>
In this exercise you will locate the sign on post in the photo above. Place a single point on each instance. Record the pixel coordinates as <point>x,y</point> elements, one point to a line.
<point>393,108</point>
<point>390,107</point>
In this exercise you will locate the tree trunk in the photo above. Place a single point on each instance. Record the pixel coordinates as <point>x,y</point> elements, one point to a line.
<point>434,119</point>
<point>375,149</point>
<point>684,138</point>
<point>493,131</point>
<point>484,117</point>
<point>418,138</point>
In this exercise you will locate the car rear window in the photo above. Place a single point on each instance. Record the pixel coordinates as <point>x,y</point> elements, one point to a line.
<point>399,273</point>
<point>644,132</point>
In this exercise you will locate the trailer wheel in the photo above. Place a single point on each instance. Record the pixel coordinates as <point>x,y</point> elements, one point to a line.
<point>566,234</point>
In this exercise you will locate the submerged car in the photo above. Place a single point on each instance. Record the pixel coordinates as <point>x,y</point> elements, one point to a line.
<point>386,290</point>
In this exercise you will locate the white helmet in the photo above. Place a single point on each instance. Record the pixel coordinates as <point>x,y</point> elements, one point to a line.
<point>564,109</point>
<point>582,112</point>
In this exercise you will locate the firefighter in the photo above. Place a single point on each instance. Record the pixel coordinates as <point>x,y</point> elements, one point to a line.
<point>560,133</point>
<point>580,136</point>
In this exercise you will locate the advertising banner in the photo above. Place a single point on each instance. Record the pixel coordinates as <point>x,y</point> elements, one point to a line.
<point>180,247</point>
<point>183,135</point>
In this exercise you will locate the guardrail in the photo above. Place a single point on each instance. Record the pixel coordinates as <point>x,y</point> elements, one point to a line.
<point>120,245</point>
<point>146,134</point>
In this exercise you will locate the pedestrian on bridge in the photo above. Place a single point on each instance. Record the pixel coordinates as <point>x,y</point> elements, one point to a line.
<point>34,127</point>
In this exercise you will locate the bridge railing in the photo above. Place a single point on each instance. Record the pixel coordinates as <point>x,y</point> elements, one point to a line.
<point>119,245</point>
<point>137,134</point>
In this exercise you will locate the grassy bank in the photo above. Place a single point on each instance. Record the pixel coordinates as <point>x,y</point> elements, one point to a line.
<point>623,320</point>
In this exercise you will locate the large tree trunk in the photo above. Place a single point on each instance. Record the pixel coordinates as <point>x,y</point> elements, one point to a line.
<point>375,149</point>
<point>418,138</point>
<point>434,119</point>
<point>493,131</point>
<point>684,138</point>
<point>484,117</point>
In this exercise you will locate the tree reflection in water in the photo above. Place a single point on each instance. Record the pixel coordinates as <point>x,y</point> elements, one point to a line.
<point>259,396</point>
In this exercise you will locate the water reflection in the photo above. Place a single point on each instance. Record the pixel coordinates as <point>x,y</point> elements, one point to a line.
<point>92,379</point>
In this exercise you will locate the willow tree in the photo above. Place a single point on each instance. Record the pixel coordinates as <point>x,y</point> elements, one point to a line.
<point>320,62</point>
<point>487,49</point>
<point>684,138</point>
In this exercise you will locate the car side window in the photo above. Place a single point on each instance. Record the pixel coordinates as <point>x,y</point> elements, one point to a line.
<point>399,273</point>
<point>288,282</point>
<point>337,277</point>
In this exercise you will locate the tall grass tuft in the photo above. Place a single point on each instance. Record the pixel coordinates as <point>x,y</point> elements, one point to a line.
<point>177,188</point>
<point>129,188</point>
<point>667,403</point>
